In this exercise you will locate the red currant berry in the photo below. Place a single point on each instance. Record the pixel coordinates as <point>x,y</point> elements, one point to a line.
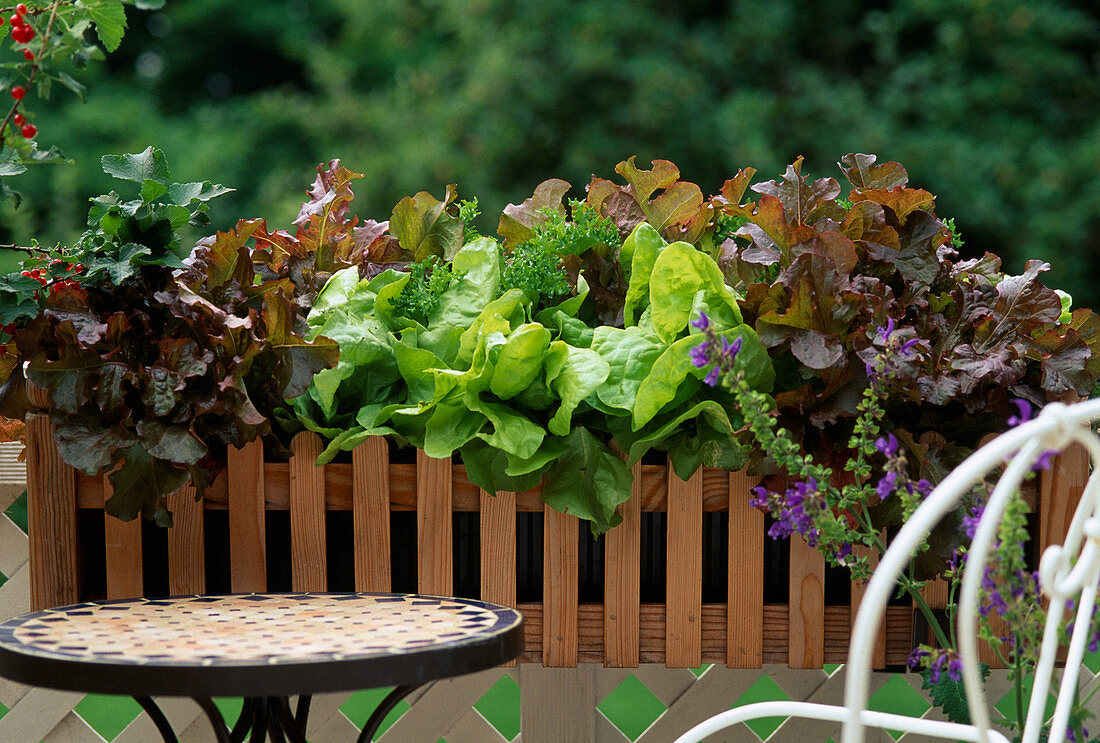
<point>19,119</point>
<point>16,20</point>
<point>21,8</point>
<point>79,268</point>
<point>28,55</point>
<point>29,130</point>
<point>18,92</point>
<point>28,34</point>
<point>27,274</point>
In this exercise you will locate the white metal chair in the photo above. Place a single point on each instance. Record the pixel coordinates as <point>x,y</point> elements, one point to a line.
<point>1069,571</point>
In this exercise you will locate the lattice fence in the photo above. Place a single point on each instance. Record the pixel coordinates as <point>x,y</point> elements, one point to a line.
<point>588,704</point>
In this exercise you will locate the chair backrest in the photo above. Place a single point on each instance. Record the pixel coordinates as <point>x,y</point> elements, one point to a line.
<point>1067,571</point>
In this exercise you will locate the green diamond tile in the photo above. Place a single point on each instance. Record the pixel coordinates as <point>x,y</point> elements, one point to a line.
<point>361,704</point>
<point>764,690</point>
<point>701,669</point>
<point>631,707</point>
<point>500,707</point>
<point>3,709</point>
<point>107,715</point>
<point>1092,661</point>
<point>230,707</point>
<point>1006,705</point>
<point>3,579</point>
<point>17,512</point>
<point>831,668</point>
<point>897,696</point>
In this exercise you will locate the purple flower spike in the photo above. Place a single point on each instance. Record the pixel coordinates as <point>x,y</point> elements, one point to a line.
<point>712,377</point>
<point>1045,460</point>
<point>888,445</point>
<point>730,350</point>
<point>915,657</point>
<point>954,669</point>
<point>908,346</point>
<point>886,485</point>
<point>702,322</point>
<point>1025,412</point>
<point>759,497</point>
<point>700,355</point>
<point>884,333</point>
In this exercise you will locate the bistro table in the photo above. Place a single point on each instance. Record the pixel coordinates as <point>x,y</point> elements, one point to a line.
<point>263,647</point>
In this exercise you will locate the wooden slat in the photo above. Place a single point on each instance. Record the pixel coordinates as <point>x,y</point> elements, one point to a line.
<point>464,494</point>
<point>247,528</point>
<point>622,580</point>
<point>1060,490</point>
<point>51,518</point>
<point>371,514</point>
<point>560,576</point>
<point>806,641</point>
<point>308,558</point>
<point>498,548</point>
<point>859,589</point>
<point>434,554</point>
<point>899,632</point>
<point>186,556</point>
<point>123,554</point>
<point>745,575</point>
<point>684,571</point>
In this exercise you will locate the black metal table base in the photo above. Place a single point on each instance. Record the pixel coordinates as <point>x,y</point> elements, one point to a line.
<point>268,719</point>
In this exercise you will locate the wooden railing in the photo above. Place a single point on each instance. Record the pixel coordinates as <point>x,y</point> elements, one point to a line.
<point>621,631</point>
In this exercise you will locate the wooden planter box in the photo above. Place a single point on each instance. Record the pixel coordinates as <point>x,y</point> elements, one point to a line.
<point>743,631</point>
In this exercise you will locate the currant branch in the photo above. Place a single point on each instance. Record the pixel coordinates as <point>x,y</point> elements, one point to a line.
<point>23,33</point>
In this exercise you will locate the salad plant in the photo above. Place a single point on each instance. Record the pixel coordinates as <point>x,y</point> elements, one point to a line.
<point>544,355</point>
<point>154,364</point>
<point>498,352</point>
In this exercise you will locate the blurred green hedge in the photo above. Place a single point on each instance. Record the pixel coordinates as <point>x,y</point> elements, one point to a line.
<point>991,104</point>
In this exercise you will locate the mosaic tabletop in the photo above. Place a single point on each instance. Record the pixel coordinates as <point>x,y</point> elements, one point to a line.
<point>254,630</point>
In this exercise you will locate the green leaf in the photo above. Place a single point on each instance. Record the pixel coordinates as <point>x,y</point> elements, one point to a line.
<point>117,268</point>
<point>950,695</point>
<point>451,425</point>
<point>422,226</point>
<point>486,467</point>
<point>477,270</point>
<point>679,274</point>
<point>630,355</point>
<point>520,360</point>
<point>639,253</point>
<point>185,193</point>
<point>152,190</point>
<point>513,432</point>
<point>588,480</point>
<point>151,164</point>
<point>110,21</point>
<point>10,163</point>
<point>501,315</point>
<point>70,82</point>
<point>674,367</point>
<point>574,374</point>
